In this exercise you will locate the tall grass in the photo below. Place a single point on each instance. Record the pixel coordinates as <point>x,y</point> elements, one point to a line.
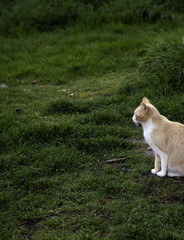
<point>163,64</point>
<point>177,5</point>
<point>22,16</point>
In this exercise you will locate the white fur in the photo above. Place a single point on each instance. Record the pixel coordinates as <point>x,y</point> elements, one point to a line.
<point>174,172</point>
<point>134,119</point>
<point>148,128</point>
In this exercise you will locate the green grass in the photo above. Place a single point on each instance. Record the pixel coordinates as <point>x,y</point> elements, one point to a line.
<point>56,135</point>
<point>58,58</point>
<point>163,64</point>
<point>24,16</point>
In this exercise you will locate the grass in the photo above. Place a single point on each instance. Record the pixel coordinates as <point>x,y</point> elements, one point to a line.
<point>62,57</point>
<point>163,64</point>
<point>16,16</point>
<point>67,109</point>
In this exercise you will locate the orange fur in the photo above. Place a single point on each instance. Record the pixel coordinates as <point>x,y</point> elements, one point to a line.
<point>165,137</point>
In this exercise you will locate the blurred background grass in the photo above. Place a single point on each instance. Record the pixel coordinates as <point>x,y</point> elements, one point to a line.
<point>22,15</point>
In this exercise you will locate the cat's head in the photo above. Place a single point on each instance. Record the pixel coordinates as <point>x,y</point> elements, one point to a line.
<point>143,112</point>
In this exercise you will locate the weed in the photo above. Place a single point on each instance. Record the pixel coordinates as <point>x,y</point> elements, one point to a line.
<point>163,65</point>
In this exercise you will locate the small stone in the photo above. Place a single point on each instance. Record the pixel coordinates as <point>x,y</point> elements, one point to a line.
<point>3,86</point>
<point>34,82</point>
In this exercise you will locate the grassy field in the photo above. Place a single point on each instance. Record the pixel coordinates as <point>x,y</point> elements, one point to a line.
<point>67,109</point>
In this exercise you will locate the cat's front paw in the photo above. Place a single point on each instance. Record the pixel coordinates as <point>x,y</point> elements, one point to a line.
<point>153,171</point>
<point>161,174</point>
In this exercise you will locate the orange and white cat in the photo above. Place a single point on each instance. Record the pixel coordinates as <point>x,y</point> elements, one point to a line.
<point>165,137</point>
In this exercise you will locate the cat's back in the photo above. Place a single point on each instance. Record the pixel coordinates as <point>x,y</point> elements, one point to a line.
<point>164,126</point>
<point>177,128</point>
<point>168,134</point>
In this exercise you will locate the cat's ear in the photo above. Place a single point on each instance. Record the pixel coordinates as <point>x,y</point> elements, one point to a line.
<point>144,107</point>
<point>145,100</point>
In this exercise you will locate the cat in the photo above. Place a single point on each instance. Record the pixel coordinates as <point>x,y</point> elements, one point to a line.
<point>166,138</point>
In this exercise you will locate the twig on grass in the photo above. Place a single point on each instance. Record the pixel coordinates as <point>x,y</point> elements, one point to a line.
<point>115,160</point>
